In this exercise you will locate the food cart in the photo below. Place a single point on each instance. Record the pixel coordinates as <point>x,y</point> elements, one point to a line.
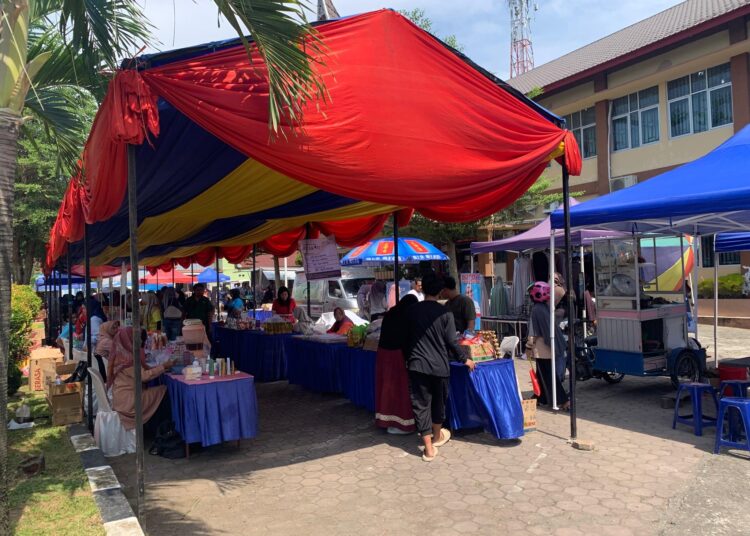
<point>642,328</point>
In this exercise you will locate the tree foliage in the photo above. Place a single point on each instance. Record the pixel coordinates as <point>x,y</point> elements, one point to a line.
<point>419,17</point>
<point>25,306</point>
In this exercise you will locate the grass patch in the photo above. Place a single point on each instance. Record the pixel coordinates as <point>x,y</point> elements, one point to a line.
<point>58,501</point>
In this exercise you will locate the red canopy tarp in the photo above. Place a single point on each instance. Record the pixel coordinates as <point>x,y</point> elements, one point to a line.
<point>408,122</point>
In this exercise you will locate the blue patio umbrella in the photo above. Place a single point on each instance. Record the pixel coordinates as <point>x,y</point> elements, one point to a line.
<point>209,276</point>
<point>381,251</point>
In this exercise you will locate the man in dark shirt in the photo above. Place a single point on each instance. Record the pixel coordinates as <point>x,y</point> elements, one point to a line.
<point>462,307</point>
<point>432,344</point>
<point>200,307</point>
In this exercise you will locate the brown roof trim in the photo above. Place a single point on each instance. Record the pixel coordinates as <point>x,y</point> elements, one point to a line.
<point>652,49</point>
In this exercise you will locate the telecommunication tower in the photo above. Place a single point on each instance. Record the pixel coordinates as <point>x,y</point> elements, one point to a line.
<point>326,10</point>
<point>521,52</point>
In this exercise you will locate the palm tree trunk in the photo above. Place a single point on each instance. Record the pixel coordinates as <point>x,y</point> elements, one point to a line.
<point>8,153</point>
<point>453,262</point>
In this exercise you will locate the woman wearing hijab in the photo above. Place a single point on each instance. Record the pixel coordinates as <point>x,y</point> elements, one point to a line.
<point>173,313</point>
<point>107,333</point>
<point>284,304</point>
<point>393,409</point>
<point>151,313</point>
<point>540,343</point>
<point>120,378</point>
<point>303,324</point>
<point>343,324</point>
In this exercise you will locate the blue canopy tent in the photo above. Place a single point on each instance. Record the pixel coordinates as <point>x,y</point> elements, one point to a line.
<point>209,276</point>
<point>709,195</point>
<point>45,284</point>
<point>726,242</point>
<point>706,196</point>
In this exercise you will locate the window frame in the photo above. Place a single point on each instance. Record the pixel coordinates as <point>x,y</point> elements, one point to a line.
<point>727,258</point>
<point>578,130</point>
<point>689,97</point>
<point>628,115</point>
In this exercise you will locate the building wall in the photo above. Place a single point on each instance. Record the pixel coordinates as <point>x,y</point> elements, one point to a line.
<point>729,45</point>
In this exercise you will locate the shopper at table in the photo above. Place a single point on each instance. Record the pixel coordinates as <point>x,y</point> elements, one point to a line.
<point>378,301</point>
<point>342,325</point>
<point>432,343</point>
<point>198,306</point>
<point>539,344</point>
<point>284,304</point>
<point>120,379</point>
<point>416,289</point>
<point>461,307</point>
<point>392,403</point>
<point>235,302</point>
<point>94,309</point>
<point>151,312</point>
<point>172,314</point>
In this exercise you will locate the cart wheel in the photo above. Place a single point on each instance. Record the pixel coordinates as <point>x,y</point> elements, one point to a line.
<point>613,377</point>
<point>686,368</point>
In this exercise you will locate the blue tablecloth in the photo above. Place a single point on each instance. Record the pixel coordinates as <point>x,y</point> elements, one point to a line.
<point>334,368</point>
<point>486,398</point>
<point>264,356</point>
<point>211,413</point>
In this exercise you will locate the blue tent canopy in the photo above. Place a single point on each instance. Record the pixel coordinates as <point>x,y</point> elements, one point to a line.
<point>732,242</point>
<point>706,196</point>
<point>209,276</point>
<point>58,278</point>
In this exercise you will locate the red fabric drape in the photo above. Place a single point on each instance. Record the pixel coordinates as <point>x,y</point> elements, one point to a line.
<point>408,123</point>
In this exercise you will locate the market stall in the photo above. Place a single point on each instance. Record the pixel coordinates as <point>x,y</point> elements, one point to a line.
<point>487,398</point>
<point>412,126</point>
<point>256,352</point>
<point>678,202</point>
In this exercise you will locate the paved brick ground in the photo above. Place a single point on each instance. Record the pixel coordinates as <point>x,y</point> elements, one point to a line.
<point>320,467</point>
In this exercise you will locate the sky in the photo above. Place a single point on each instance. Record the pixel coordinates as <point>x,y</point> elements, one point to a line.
<point>482,27</point>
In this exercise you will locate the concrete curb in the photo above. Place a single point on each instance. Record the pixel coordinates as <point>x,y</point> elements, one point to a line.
<point>117,515</point>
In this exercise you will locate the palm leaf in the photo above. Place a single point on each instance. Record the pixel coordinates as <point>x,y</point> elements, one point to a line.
<point>287,44</point>
<point>105,30</point>
<point>66,114</point>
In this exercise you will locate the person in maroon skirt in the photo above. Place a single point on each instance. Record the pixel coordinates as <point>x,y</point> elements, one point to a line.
<point>393,409</point>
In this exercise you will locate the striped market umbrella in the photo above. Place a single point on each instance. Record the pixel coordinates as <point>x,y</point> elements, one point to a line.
<point>381,251</point>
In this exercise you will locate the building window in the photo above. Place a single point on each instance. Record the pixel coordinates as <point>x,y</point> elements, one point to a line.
<point>700,101</point>
<point>583,126</point>
<point>707,254</point>
<point>635,119</point>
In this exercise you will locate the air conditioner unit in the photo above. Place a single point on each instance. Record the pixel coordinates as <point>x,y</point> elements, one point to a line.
<point>618,183</point>
<point>552,207</point>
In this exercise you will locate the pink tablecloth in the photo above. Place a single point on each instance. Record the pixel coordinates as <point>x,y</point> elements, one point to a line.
<point>206,380</point>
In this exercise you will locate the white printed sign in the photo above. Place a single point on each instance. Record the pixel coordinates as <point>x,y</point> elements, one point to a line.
<point>320,258</point>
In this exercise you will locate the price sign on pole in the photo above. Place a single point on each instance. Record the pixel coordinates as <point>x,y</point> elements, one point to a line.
<point>320,258</point>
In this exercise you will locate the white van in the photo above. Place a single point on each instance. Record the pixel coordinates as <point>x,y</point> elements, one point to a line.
<point>327,294</point>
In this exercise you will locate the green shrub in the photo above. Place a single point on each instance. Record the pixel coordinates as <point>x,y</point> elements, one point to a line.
<point>730,286</point>
<point>24,308</point>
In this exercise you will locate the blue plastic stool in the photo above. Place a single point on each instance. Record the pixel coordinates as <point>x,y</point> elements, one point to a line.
<point>696,419</point>
<point>742,405</point>
<point>737,388</point>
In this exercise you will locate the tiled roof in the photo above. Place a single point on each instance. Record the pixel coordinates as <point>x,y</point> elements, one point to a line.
<point>668,23</point>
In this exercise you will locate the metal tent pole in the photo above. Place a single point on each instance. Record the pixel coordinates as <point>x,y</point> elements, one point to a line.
<point>571,303</point>
<point>253,281</point>
<point>138,386</point>
<point>218,289</point>
<point>172,273</point>
<point>395,255</point>
<point>552,316</point>
<point>694,280</point>
<point>70,311</point>
<point>716,305</point>
<point>307,279</point>
<point>87,268</point>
